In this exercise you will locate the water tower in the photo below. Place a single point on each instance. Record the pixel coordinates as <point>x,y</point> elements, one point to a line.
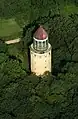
<point>40,52</point>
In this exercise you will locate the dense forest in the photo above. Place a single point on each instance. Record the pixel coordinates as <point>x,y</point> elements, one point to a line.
<point>23,95</point>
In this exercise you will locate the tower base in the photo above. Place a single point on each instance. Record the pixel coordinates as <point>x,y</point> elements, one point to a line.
<point>40,61</point>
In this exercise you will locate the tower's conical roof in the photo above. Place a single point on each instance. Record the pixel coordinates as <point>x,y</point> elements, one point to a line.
<point>40,34</point>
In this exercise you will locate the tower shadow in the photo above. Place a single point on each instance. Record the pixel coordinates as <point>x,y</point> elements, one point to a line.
<point>29,60</point>
<point>51,60</point>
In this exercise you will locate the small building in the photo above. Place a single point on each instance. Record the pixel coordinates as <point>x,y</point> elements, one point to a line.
<point>40,52</point>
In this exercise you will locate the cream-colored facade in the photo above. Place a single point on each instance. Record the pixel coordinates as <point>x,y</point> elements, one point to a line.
<point>40,62</point>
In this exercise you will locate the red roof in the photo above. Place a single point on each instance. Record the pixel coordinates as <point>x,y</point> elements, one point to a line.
<point>40,34</point>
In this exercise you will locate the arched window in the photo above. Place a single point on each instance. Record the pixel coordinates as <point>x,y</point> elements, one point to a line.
<point>36,44</point>
<point>43,44</point>
<point>39,45</point>
<point>46,43</point>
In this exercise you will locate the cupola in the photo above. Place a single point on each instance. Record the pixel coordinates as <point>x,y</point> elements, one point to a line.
<point>40,37</point>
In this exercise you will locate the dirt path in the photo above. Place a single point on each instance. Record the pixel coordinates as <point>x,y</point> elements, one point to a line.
<point>13,41</point>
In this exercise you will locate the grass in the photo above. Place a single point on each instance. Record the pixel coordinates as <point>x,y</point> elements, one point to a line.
<point>8,27</point>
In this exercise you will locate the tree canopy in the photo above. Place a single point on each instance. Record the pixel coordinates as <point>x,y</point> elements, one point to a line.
<point>54,96</point>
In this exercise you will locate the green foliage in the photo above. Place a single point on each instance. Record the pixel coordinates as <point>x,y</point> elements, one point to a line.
<point>53,96</point>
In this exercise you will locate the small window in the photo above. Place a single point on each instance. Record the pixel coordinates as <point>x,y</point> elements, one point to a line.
<point>35,55</point>
<point>49,53</point>
<point>45,60</point>
<point>45,67</point>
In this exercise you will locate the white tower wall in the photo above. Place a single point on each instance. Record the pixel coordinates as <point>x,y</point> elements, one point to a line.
<point>40,63</point>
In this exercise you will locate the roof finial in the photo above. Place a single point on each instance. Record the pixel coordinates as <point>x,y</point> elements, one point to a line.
<point>41,26</point>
